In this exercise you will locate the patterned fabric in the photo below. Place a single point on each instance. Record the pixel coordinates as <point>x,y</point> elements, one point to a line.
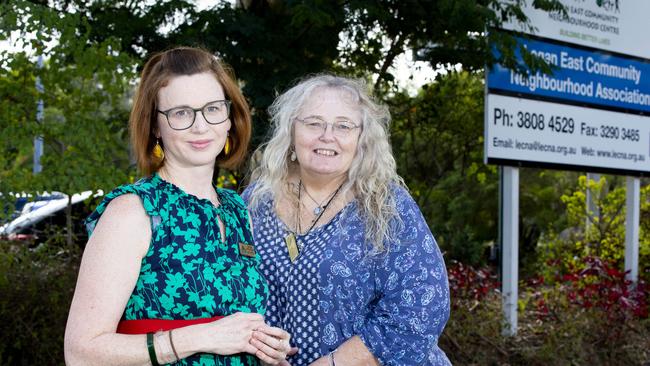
<point>396,302</point>
<point>189,272</point>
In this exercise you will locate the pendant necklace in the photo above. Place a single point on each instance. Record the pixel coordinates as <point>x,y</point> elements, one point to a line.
<point>290,239</point>
<point>319,206</point>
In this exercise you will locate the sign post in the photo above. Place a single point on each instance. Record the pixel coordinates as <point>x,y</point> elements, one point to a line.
<point>510,247</point>
<point>632,197</point>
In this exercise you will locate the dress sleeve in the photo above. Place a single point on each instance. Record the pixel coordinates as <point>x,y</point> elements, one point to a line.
<point>141,190</point>
<point>411,309</point>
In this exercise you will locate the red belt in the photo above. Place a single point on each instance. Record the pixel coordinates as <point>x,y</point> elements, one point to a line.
<point>142,326</point>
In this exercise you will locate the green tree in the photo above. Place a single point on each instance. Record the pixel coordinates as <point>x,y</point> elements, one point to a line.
<point>443,33</point>
<point>270,43</point>
<point>85,98</point>
<point>604,237</point>
<point>438,140</point>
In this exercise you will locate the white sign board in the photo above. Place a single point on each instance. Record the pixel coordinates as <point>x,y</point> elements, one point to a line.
<point>535,131</point>
<point>619,26</point>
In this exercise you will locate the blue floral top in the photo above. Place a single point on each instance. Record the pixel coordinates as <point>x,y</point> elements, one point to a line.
<point>189,271</point>
<point>396,302</point>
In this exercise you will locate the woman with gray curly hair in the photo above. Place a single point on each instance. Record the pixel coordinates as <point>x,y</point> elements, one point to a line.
<point>354,272</point>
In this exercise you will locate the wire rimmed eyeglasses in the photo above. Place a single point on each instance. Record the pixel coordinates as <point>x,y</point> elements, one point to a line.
<point>183,117</point>
<point>342,127</point>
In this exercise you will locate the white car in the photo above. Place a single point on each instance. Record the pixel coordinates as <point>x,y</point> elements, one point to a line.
<point>44,207</point>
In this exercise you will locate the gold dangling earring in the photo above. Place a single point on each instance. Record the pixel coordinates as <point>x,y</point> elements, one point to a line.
<point>158,152</point>
<point>226,147</point>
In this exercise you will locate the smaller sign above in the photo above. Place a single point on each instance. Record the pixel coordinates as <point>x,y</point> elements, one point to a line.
<point>580,76</point>
<point>614,25</point>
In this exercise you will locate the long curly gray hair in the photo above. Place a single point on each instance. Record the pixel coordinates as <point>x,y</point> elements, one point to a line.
<point>372,175</point>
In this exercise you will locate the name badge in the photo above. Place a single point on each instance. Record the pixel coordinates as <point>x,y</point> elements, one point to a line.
<point>246,250</point>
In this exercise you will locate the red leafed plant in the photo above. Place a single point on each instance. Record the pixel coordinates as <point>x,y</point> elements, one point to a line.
<point>468,283</point>
<point>602,286</point>
<point>595,285</point>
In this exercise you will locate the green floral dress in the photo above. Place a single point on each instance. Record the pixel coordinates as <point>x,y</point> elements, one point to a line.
<point>189,271</point>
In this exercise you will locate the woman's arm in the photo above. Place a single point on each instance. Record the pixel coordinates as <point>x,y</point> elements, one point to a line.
<point>109,270</point>
<point>107,275</point>
<point>403,324</point>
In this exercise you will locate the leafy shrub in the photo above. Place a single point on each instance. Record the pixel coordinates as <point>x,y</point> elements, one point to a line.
<point>588,316</point>
<point>600,285</point>
<point>467,283</point>
<point>603,238</point>
<point>36,287</point>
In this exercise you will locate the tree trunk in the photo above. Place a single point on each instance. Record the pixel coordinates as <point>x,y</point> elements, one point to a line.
<point>396,48</point>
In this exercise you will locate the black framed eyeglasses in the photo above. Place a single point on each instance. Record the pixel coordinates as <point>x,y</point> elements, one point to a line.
<point>183,117</point>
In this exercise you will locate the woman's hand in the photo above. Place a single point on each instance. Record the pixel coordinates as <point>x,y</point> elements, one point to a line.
<point>352,352</point>
<point>273,345</point>
<point>232,334</point>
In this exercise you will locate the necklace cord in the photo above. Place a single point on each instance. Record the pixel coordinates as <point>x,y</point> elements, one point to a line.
<point>319,205</point>
<point>320,214</point>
